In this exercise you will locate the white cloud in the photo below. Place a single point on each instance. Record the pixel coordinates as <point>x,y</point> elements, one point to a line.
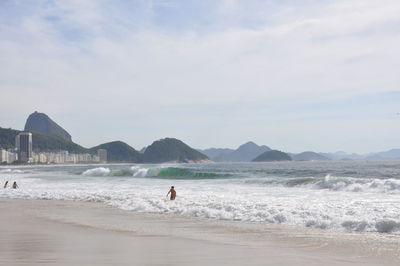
<point>93,57</point>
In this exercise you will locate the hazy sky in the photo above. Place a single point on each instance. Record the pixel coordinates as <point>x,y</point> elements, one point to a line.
<point>291,74</point>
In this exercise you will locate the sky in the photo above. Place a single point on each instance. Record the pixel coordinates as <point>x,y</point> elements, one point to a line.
<point>295,75</point>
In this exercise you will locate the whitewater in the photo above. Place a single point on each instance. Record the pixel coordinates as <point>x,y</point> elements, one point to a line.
<point>334,195</point>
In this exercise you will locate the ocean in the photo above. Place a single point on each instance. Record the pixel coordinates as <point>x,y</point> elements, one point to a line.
<point>331,195</point>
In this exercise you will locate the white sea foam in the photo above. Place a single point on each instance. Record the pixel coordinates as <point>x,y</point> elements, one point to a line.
<point>135,171</point>
<point>99,171</point>
<point>326,203</point>
<point>140,172</point>
<point>390,186</point>
<point>11,171</point>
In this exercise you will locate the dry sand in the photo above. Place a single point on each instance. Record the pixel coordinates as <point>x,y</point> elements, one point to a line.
<point>35,232</point>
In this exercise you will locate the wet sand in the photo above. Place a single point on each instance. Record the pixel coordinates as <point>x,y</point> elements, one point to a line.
<point>36,232</point>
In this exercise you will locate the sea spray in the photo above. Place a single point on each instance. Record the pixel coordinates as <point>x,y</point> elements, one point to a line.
<point>139,172</point>
<point>163,172</point>
<point>11,171</point>
<point>368,201</point>
<point>99,171</point>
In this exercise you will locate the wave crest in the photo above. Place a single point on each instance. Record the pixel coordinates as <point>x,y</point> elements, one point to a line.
<point>157,172</point>
<point>11,171</point>
<point>99,171</point>
<point>347,184</point>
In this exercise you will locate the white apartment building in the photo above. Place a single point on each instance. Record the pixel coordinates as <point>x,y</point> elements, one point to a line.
<point>102,153</point>
<point>63,157</point>
<point>7,156</point>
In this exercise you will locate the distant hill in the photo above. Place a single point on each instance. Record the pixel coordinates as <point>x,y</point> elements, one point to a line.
<point>273,155</point>
<point>216,154</point>
<point>118,151</point>
<point>245,153</point>
<point>309,156</point>
<point>40,141</point>
<point>393,154</point>
<point>40,122</point>
<point>171,150</point>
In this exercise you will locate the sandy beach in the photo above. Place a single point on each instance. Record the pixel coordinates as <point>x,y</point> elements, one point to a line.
<point>35,232</point>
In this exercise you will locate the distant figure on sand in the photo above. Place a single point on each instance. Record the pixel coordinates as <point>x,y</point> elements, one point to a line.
<point>173,193</point>
<point>15,185</point>
<point>5,185</point>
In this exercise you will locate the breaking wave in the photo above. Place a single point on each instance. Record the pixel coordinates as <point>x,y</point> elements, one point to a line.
<point>100,171</point>
<point>321,214</point>
<point>333,183</point>
<point>182,173</point>
<point>11,171</point>
<point>365,200</point>
<point>158,172</point>
<point>328,182</point>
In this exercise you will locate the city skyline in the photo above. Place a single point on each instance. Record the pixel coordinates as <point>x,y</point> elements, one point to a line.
<point>22,152</point>
<point>339,154</point>
<point>293,75</point>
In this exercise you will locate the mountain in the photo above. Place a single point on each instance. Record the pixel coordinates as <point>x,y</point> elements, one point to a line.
<point>118,151</point>
<point>216,154</point>
<point>40,141</point>
<point>273,155</point>
<point>392,154</point>
<point>171,150</point>
<point>40,122</point>
<point>245,153</point>
<point>309,156</point>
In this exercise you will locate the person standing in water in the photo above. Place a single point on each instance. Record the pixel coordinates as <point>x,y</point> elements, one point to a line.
<point>173,193</point>
<point>5,185</point>
<point>14,186</point>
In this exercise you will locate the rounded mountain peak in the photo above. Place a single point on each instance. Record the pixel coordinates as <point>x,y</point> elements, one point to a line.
<point>41,122</point>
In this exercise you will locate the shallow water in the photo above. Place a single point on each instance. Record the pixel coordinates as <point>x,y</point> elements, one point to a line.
<point>348,195</point>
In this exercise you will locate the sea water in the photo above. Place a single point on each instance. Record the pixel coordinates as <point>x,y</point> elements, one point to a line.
<point>337,195</point>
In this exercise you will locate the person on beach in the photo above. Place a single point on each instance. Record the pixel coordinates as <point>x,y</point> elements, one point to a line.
<point>173,193</point>
<point>5,185</point>
<point>14,186</point>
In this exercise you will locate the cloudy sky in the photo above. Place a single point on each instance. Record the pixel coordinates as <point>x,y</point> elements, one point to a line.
<point>291,74</point>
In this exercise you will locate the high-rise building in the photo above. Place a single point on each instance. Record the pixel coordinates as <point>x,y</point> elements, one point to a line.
<point>17,141</point>
<point>102,153</point>
<point>23,143</point>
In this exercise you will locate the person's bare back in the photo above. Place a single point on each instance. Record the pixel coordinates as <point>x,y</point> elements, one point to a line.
<point>173,193</point>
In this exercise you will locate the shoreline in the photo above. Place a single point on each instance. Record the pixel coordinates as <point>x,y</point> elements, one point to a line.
<point>55,165</point>
<point>106,234</point>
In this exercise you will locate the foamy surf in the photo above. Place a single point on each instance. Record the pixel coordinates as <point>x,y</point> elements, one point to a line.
<point>99,171</point>
<point>155,171</point>
<point>11,171</point>
<point>329,182</point>
<point>273,193</point>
